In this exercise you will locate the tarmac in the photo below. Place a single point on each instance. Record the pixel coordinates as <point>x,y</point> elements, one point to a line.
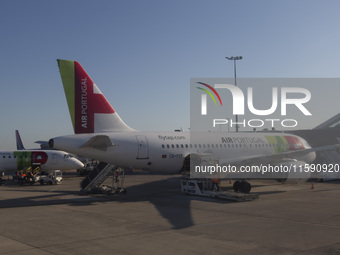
<point>154,217</point>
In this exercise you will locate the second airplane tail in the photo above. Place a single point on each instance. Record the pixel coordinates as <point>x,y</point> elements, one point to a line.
<point>20,145</point>
<point>90,111</point>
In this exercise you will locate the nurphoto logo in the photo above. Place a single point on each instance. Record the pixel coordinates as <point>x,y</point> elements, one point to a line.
<point>283,97</point>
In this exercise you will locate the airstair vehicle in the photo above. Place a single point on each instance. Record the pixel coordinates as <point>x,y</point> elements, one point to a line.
<point>92,182</point>
<point>28,175</point>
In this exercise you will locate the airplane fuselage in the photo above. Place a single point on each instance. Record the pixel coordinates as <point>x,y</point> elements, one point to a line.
<point>48,160</point>
<point>166,151</point>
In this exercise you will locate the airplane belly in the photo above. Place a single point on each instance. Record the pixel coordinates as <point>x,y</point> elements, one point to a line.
<point>167,165</point>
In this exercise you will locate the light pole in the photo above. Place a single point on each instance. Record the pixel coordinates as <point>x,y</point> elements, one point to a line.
<point>234,59</point>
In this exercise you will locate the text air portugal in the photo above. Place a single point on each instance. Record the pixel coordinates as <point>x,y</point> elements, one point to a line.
<point>85,92</point>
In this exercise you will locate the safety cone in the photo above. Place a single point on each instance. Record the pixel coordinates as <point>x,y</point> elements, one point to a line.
<point>312,185</point>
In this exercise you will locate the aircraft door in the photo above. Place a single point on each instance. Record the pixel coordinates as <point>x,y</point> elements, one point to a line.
<point>143,147</point>
<point>54,158</point>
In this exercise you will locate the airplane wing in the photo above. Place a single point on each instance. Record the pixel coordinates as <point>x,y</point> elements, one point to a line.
<point>43,145</point>
<point>100,142</point>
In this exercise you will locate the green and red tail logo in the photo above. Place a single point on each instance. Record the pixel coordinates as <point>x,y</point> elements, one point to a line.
<point>83,96</point>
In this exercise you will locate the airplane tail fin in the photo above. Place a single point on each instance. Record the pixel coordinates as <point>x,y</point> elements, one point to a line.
<point>90,111</point>
<point>20,145</point>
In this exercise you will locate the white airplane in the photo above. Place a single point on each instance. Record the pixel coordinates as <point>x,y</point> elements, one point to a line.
<point>101,134</point>
<point>47,159</point>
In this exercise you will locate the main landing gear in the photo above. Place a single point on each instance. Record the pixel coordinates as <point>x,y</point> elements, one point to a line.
<point>242,186</point>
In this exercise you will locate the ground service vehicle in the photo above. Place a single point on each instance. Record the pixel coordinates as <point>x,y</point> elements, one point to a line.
<point>51,177</point>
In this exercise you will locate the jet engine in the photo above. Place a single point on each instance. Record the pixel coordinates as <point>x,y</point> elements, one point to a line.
<point>293,172</point>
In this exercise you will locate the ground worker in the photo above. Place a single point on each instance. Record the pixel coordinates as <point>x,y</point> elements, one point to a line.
<point>215,182</point>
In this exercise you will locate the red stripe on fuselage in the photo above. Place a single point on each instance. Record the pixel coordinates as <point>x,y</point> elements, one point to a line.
<point>39,157</point>
<point>294,143</point>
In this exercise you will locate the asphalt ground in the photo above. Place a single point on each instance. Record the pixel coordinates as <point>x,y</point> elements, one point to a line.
<point>154,217</point>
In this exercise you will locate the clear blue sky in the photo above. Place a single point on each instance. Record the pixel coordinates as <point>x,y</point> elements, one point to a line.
<point>142,54</point>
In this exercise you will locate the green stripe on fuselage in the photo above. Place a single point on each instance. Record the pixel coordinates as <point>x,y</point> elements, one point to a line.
<point>280,143</point>
<point>24,159</point>
<point>66,68</point>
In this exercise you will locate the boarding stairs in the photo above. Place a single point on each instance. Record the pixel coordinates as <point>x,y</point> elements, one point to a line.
<point>96,177</point>
<point>28,175</point>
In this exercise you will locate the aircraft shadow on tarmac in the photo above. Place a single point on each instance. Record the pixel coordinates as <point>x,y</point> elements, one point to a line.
<point>165,195</point>
<point>266,192</point>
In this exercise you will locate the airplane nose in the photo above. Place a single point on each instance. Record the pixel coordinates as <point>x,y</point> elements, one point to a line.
<point>77,164</point>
